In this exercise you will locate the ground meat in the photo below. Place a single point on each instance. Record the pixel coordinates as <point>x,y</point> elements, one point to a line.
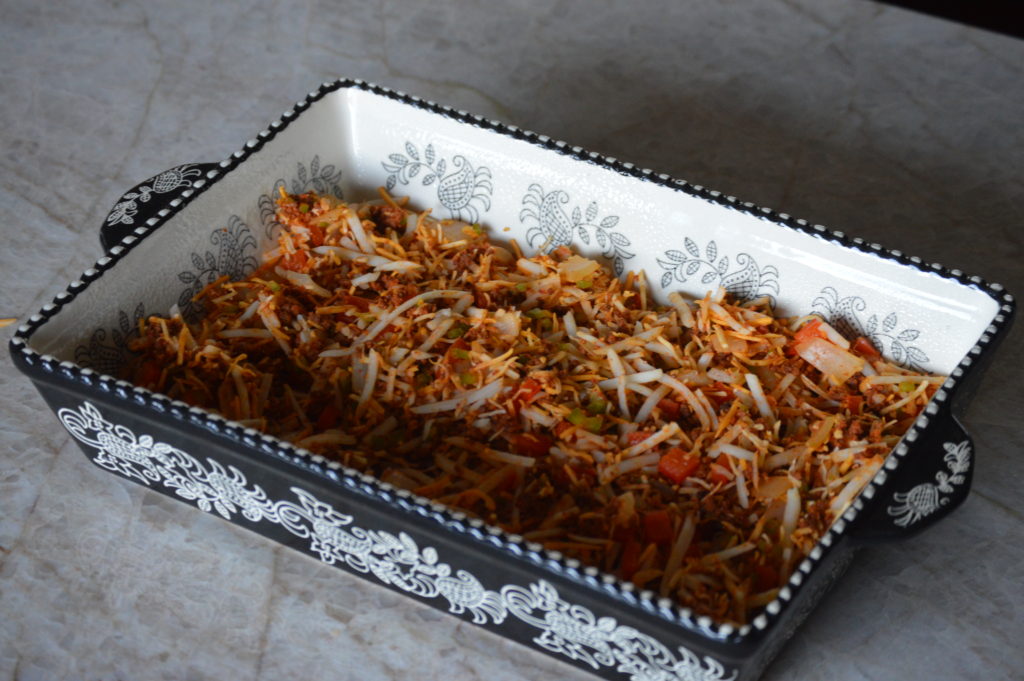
<point>387,218</point>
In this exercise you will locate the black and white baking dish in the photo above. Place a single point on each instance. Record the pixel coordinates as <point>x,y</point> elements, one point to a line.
<point>170,235</point>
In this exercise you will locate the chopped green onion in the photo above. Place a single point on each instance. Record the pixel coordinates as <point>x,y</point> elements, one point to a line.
<point>457,331</point>
<point>537,313</point>
<point>584,284</point>
<point>274,286</point>
<point>597,405</point>
<point>907,386</point>
<point>521,287</point>
<point>467,379</point>
<point>303,208</point>
<point>460,353</point>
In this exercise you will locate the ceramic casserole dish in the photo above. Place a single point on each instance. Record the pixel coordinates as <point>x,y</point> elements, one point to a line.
<point>171,235</point>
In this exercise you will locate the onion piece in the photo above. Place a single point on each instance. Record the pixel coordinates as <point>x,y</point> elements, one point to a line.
<point>530,267</point>
<point>831,360</point>
<point>359,234</point>
<point>651,402</point>
<point>759,399</point>
<point>302,279</point>
<point>627,466</point>
<point>639,377</point>
<point>790,515</point>
<point>385,321</point>
<point>471,399</point>
<point>690,398</point>
<point>733,451</point>
<point>679,549</point>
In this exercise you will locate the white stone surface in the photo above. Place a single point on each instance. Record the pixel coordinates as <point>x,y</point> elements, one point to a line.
<point>889,125</point>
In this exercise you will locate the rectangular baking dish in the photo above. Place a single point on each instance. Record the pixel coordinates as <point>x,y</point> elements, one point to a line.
<point>174,233</point>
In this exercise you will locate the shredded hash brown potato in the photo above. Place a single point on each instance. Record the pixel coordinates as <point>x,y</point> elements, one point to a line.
<point>699,450</point>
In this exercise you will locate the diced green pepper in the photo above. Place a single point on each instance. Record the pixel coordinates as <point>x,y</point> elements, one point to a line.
<point>584,284</point>
<point>576,417</point>
<point>597,405</point>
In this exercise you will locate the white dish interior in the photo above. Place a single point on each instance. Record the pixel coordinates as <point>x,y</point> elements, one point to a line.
<point>354,141</point>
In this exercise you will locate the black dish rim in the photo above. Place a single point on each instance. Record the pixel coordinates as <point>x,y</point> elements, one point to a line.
<point>601,582</point>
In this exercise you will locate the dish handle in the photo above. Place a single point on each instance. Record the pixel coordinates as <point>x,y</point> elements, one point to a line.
<point>146,199</point>
<point>932,479</point>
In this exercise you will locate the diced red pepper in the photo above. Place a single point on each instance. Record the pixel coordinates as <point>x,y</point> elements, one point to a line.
<point>670,409</point>
<point>716,475</point>
<point>531,444</point>
<point>657,527</point>
<point>810,330</point>
<point>316,235</point>
<point>295,261</point>
<point>865,348</point>
<point>638,436</point>
<point>677,465</point>
<point>853,403</point>
<point>528,390</point>
<point>328,417</point>
<point>630,560</point>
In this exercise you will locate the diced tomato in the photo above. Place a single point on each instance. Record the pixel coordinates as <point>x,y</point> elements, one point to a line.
<point>316,235</point>
<point>295,261</point>
<point>638,436</point>
<point>677,465</point>
<point>853,403</point>
<point>810,330</point>
<point>766,577</point>
<point>531,444</point>
<point>865,348</point>
<point>328,417</point>
<point>362,304</point>
<point>528,391</point>
<point>630,560</point>
<point>670,408</point>
<point>716,475</point>
<point>657,527</point>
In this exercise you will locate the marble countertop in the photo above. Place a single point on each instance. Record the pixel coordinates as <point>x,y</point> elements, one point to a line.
<point>893,126</point>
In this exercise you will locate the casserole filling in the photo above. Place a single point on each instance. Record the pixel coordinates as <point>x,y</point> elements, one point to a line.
<point>698,449</point>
